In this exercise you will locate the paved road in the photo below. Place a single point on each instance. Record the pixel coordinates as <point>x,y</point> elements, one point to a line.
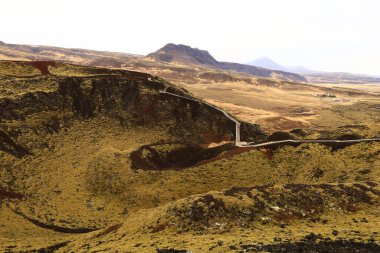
<point>239,143</point>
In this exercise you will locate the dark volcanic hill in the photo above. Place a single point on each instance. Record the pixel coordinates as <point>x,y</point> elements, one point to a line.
<point>185,55</point>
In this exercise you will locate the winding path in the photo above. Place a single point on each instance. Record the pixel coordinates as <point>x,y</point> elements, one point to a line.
<point>239,143</point>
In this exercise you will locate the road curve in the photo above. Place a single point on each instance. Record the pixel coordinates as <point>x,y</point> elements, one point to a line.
<point>239,143</point>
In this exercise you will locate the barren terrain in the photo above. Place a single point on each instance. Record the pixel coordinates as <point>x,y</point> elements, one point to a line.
<point>222,126</point>
<point>98,160</point>
<point>269,100</point>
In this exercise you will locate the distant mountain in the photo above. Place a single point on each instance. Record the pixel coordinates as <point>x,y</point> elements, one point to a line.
<point>267,63</point>
<point>316,76</point>
<point>341,77</point>
<point>186,55</point>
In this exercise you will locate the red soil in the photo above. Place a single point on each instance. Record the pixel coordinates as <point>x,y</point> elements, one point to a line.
<point>236,151</point>
<point>43,66</point>
<point>232,152</point>
<point>267,152</point>
<point>9,194</point>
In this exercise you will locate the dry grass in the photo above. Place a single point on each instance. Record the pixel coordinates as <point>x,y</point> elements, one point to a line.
<point>81,175</point>
<point>160,227</point>
<point>282,107</point>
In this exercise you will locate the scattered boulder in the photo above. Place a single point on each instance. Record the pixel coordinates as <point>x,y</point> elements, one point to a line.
<point>317,243</point>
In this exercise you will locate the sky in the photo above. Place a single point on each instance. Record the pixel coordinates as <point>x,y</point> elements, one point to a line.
<point>329,35</point>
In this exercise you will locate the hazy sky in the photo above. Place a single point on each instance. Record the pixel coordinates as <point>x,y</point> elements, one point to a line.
<point>333,35</point>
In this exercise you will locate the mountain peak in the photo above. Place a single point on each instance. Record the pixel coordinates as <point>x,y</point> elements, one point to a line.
<point>2,43</point>
<point>266,62</point>
<point>265,59</point>
<point>183,54</point>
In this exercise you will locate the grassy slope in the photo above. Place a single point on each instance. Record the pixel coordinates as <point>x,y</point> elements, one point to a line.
<point>220,222</point>
<point>309,163</point>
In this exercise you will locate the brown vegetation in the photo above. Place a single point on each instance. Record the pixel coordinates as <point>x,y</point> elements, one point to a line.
<point>84,149</point>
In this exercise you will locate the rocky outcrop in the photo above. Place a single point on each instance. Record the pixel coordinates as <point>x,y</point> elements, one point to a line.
<point>246,206</point>
<point>315,243</point>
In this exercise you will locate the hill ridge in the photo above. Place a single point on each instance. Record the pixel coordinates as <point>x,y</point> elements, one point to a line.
<point>183,54</point>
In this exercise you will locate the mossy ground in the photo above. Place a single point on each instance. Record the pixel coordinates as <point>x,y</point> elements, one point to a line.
<point>227,233</point>
<point>103,190</point>
<point>80,177</point>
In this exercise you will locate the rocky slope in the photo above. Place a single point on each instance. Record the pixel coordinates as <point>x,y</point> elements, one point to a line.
<point>287,218</point>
